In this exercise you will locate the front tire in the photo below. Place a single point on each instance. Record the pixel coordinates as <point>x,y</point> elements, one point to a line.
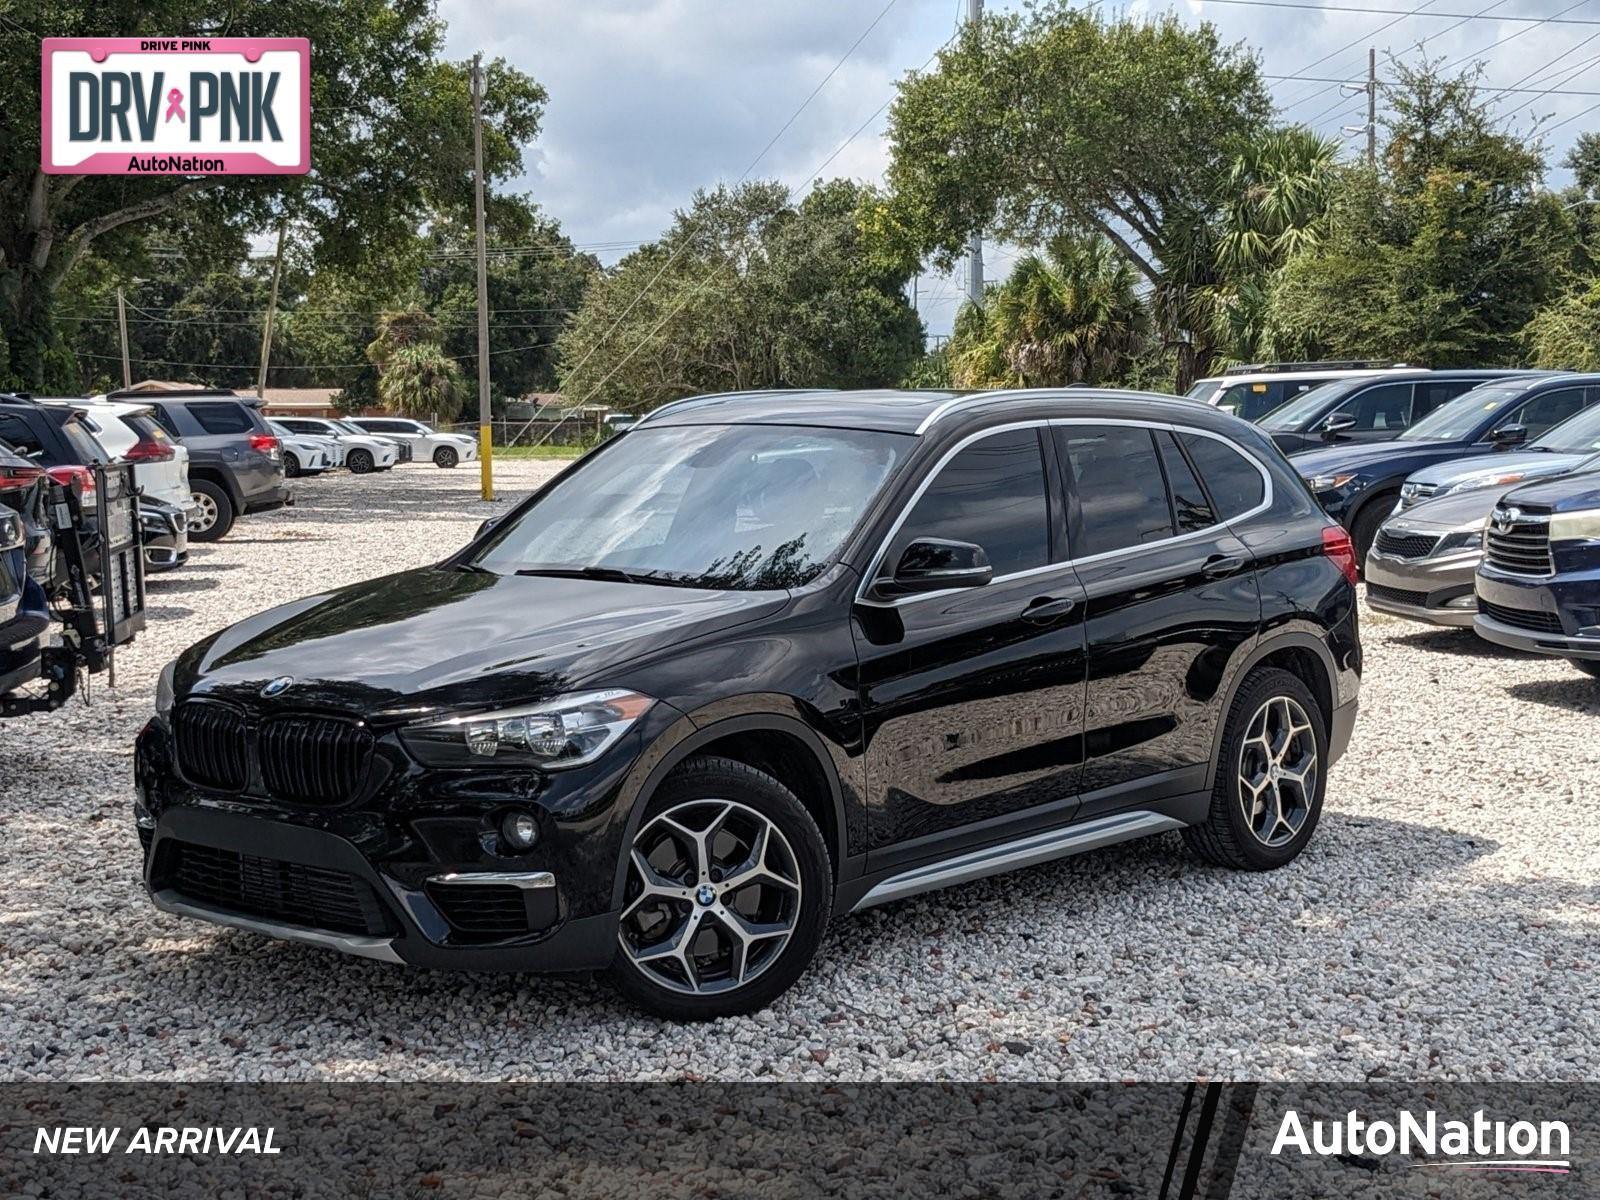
<point>216,511</point>
<point>1588,666</point>
<point>1364,530</point>
<point>359,461</point>
<point>728,893</point>
<point>291,466</point>
<point>1271,775</point>
<point>446,456</point>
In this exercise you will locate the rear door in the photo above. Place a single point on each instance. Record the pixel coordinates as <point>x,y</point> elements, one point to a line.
<point>972,699</point>
<point>1172,599</point>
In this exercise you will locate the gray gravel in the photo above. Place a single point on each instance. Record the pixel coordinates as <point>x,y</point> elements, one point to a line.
<point>1442,925</point>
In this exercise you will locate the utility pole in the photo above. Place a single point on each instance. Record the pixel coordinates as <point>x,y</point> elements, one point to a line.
<point>485,430</point>
<point>122,327</point>
<point>272,313</point>
<point>975,247</point>
<point>1372,107</point>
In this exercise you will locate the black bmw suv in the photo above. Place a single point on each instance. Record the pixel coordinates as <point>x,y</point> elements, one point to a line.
<point>762,659</point>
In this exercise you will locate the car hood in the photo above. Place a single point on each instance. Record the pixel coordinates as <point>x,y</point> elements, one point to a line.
<point>439,638</point>
<point>1471,507</point>
<point>1331,460</point>
<point>1570,493</point>
<point>1530,463</point>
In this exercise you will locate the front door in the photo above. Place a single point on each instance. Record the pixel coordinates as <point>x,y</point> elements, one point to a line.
<point>1171,600</point>
<point>972,699</point>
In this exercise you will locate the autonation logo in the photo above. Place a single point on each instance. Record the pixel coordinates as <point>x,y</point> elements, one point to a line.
<point>1480,1144</point>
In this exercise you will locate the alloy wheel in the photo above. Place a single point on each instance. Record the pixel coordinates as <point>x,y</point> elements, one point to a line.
<point>713,896</point>
<point>1277,771</point>
<point>208,512</point>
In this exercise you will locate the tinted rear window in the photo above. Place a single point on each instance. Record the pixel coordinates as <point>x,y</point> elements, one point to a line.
<point>1122,494</point>
<point>1233,480</point>
<point>222,417</point>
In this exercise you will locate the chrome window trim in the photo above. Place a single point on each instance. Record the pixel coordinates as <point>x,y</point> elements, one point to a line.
<point>1069,562</point>
<point>1055,395</point>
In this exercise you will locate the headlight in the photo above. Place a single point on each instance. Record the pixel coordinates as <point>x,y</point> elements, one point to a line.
<point>1329,483</point>
<point>164,692</point>
<point>1474,482</point>
<point>1460,539</point>
<point>565,732</point>
<point>1580,526</point>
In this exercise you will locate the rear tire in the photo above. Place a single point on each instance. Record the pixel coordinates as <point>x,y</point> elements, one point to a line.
<point>1275,740</point>
<point>291,465</point>
<point>359,461</point>
<point>780,913</point>
<point>1588,666</point>
<point>216,511</point>
<point>445,456</point>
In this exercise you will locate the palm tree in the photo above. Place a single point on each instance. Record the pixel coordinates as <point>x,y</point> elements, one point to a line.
<point>1073,316</point>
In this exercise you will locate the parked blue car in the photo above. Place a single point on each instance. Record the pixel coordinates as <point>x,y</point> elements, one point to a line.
<point>1539,582</point>
<point>1359,483</point>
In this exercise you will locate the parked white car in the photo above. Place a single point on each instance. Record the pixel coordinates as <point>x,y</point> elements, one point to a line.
<point>305,453</point>
<point>445,449</point>
<point>130,432</point>
<point>359,451</point>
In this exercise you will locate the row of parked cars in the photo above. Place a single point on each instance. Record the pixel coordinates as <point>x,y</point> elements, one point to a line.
<point>1472,496</point>
<point>150,471</point>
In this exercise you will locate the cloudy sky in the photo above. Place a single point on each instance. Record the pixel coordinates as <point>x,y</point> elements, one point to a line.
<point>650,99</point>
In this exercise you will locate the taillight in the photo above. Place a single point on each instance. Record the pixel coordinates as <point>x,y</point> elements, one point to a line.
<point>19,476</point>
<point>77,477</point>
<point>147,450</point>
<point>1336,545</point>
<point>264,442</point>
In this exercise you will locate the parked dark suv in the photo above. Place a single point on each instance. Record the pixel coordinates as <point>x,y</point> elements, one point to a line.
<point>761,659</point>
<point>235,460</point>
<point>1539,582</point>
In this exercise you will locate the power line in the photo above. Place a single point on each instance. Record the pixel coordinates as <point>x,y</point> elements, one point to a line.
<point>1348,45</point>
<point>1415,12</point>
<point>1476,87</point>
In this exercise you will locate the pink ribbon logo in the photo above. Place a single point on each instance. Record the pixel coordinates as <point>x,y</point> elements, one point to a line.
<point>175,105</point>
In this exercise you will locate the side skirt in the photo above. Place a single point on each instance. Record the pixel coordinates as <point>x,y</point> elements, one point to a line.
<point>1021,852</point>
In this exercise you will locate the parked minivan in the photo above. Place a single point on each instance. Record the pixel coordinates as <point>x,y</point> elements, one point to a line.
<point>761,659</point>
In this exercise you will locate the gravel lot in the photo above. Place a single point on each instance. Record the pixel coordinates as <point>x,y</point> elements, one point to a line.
<point>1444,924</point>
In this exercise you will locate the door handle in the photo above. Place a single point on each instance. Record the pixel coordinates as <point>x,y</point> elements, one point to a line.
<point>1219,566</point>
<point>1048,608</point>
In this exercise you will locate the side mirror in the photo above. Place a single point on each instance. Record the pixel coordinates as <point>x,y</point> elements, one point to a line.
<point>485,527</point>
<point>1336,424</point>
<point>934,564</point>
<point>1509,435</point>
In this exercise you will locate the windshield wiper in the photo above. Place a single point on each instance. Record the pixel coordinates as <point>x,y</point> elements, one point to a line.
<point>610,574</point>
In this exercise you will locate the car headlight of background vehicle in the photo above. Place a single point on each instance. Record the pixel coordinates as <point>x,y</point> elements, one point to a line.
<point>164,689</point>
<point>1460,539</point>
<point>1580,526</point>
<point>1330,483</point>
<point>565,732</point>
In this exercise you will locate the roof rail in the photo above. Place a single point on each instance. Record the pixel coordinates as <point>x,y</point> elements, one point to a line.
<point>1048,393</point>
<point>1289,368</point>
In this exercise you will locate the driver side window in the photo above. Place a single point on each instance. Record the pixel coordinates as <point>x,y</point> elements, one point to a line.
<point>993,494</point>
<point>1545,411</point>
<point>1387,406</point>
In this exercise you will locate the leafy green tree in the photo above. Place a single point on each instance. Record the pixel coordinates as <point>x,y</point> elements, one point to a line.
<point>1074,317</point>
<point>1444,254</point>
<point>747,289</point>
<point>1565,335</point>
<point>390,140</point>
<point>1056,120</point>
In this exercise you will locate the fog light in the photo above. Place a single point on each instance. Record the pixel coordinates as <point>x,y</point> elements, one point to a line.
<point>142,817</point>
<point>519,831</point>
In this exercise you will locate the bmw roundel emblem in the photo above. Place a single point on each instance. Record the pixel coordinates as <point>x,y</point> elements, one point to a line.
<point>278,686</point>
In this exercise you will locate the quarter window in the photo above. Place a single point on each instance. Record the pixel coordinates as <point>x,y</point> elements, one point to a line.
<point>1122,497</point>
<point>1232,479</point>
<point>991,494</point>
<point>222,418</point>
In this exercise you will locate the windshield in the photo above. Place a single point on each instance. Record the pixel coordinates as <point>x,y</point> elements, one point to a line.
<point>1458,418</point>
<point>1305,407</point>
<point>1202,389</point>
<point>740,507</point>
<point>346,427</point>
<point>1580,435</point>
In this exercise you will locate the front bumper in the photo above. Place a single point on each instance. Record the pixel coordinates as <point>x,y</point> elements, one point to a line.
<point>1557,615</point>
<point>1437,591</point>
<point>408,872</point>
